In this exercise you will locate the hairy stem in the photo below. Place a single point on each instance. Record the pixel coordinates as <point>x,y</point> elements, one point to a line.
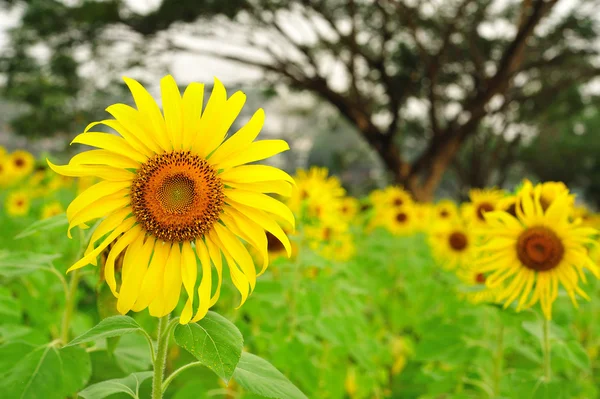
<point>160,358</point>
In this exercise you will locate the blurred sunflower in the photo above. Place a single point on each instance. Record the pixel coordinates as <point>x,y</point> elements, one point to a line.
<point>400,221</point>
<point>6,172</point>
<point>445,210</point>
<point>52,209</point>
<point>395,196</point>
<point>452,245</point>
<point>17,203</point>
<point>530,255</point>
<point>349,207</point>
<point>482,201</point>
<point>317,193</point>
<point>332,241</point>
<point>475,290</point>
<point>22,163</point>
<point>173,191</point>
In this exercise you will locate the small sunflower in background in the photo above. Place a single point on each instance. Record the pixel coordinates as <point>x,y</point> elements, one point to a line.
<point>18,203</point>
<point>396,197</point>
<point>423,214</point>
<point>400,221</point>
<point>529,256</point>
<point>482,201</point>
<point>175,193</point>
<point>333,241</point>
<point>453,245</point>
<point>51,209</point>
<point>475,290</point>
<point>316,194</point>
<point>445,211</point>
<point>22,163</point>
<point>349,207</point>
<point>7,176</point>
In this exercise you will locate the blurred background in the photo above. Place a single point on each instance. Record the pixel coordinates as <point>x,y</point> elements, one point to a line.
<point>440,96</point>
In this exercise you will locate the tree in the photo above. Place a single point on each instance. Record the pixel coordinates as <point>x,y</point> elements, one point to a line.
<point>416,79</point>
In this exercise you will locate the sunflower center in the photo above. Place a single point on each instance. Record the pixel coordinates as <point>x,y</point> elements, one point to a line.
<point>480,278</point>
<point>398,201</point>
<point>401,217</point>
<point>19,162</point>
<point>483,208</point>
<point>540,249</point>
<point>444,214</point>
<point>19,202</point>
<point>458,241</point>
<point>177,196</point>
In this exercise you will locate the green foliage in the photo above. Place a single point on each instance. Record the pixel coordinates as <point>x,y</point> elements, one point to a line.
<point>129,385</point>
<point>214,341</point>
<point>114,326</point>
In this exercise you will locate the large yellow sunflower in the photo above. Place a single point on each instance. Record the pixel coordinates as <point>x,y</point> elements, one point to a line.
<point>530,255</point>
<point>173,191</point>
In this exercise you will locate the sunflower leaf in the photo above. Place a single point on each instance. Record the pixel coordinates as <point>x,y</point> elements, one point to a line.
<point>13,264</point>
<point>258,376</point>
<point>113,326</point>
<point>50,223</point>
<point>46,372</point>
<point>214,341</point>
<point>129,385</point>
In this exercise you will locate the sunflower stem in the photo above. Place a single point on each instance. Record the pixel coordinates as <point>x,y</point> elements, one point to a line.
<point>69,306</point>
<point>160,359</point>
<point>177,372</point>
<point>499,359</point>
<point>546,350</point>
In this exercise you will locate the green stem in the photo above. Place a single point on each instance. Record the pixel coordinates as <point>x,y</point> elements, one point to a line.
<point>177,372</point>
<point>546,350</point>
<point>69,306</point>
<point>499,359</point>
<point>161,357</point>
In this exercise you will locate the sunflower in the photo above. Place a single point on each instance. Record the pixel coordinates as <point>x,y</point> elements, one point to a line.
<point>332,241</point>
<point>482,201</point>
<point>445,210</point>
<point>317,193</point>
<point>52,209</point>
<point>400,221</point>
<point>22,162</point>
<point>530,255</point>
<point>17,203</point>
<point>452,245</point>
<point>395,196</point>
<point>349,208</point>
<point>173,191</point>
<point>475,289</point>
<point>6,172</point>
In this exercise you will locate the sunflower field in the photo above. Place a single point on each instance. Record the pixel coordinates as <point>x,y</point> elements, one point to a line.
<point>163,262</point>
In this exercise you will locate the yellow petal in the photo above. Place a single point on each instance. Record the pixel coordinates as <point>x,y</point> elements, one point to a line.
<point>241,139</point>
<point>260,201</point>
<point>131,139</point>
<point>249,231</point>
<point>255,173</point>
<point>189,274</point>
<point>107,225</point>
<point>110,142</point>
<point>192,111</point>
<point>135,266</point>
<point>151,116</point>
<point>237,277</point>
<point>87,259</point>
<point>215,256</point>
<point>266,222</point>
<point>153,279</point>
<point>93,193</point>
<point>130,124</point>
<point>120,245</point>
<point>205,288</point>
<point>238,252</point>
<point>255,152</point>
<point>103,172</point>
<point>208,137</point>
<point>171,287</point>
<point>278,187</point>
<point>100,208</point>
<point>172,109</point>
<point>104,157</point>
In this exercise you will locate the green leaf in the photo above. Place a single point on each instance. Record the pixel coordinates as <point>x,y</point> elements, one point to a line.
<point>51,223</point>
<point>258,376</point>
<point>114,326</point>
<point>11,353</point>
<point>10,309</point>
<point>47,373</point>
<point>129,385</point>
<point>214,341</point>
<point>132,354</point>
<point>13,264</point>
